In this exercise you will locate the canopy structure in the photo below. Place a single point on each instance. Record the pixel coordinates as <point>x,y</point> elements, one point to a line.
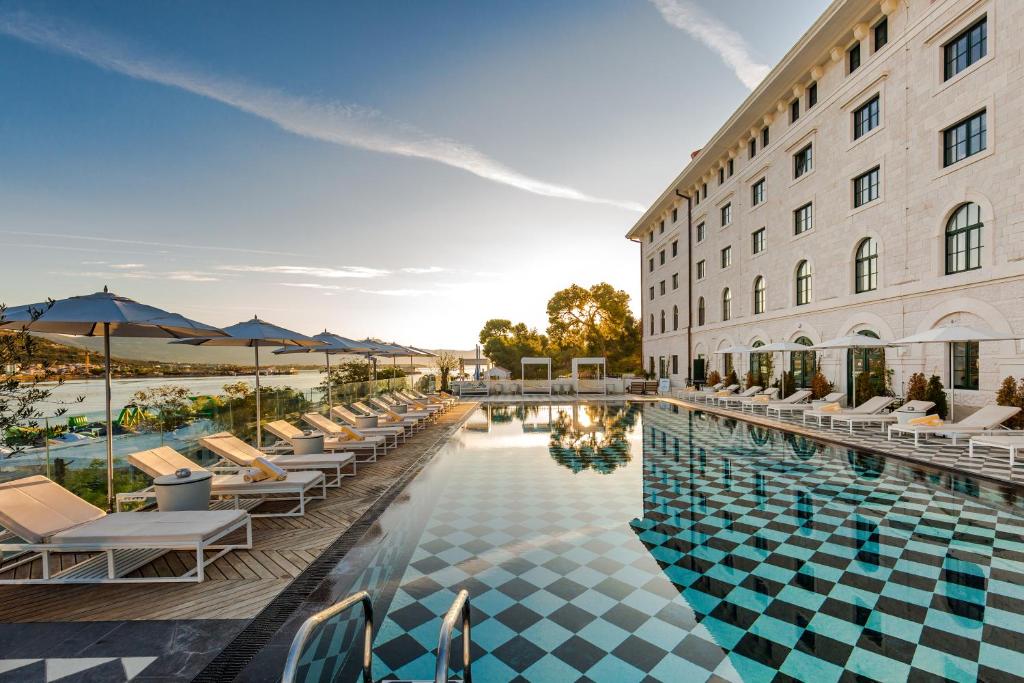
<point>595,385</point>
<point>536,386</point>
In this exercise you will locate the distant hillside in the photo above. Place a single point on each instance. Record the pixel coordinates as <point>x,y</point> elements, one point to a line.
<point>162,351</point>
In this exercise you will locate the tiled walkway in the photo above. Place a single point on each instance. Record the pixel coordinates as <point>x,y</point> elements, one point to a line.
<point>939,452</point>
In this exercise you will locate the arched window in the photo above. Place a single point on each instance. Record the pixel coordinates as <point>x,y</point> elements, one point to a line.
<point>803,283</point>
<point>663,321</point>
<point>759,295</point>
<point>726,305</point>
<point>675,318</point>
<point>867,266</point>
<point>802,365</point>
<point>652,323</point>
<point>963,239</point>
<point>701,311</point>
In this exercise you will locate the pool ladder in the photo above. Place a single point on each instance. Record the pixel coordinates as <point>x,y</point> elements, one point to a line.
<point>316,624</point>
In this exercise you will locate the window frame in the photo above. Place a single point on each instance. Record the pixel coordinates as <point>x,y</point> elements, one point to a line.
<point>863,195</point>
<point>702,312</point>
<point>794,110</point>
<point>726,305</point>
<point>965,123</point>
<point>675,248</point>
<point>803,161</point>
<point>701,231</point>
<point>726,256</point>
<point>725,214</point>
<point>966,365</point>
<point>865,275</point>
<point>853,58</point>
<point>969,236</point>
<point>882,26</point>
<point>765,136</point>
<point>758,239</point>
<point>800,220</point>
<point>757,193</point>
<point>862,125</point>
<point>701,269</point>
<point>812,94</point>
<point>964,35</point>
<point>760,295</point>
<point>752,148</point>
<point>804,282</point>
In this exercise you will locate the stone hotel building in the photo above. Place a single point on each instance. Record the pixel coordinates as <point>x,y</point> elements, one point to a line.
<point>871,183</point>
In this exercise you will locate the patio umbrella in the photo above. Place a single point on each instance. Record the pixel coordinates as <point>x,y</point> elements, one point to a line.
<point>853,341</point>
<point>739,348</point>
<point>254,333</point>
<point>330,344</point>
<point>953,334</point>
<point>106,315</point>
<point>782,347</point>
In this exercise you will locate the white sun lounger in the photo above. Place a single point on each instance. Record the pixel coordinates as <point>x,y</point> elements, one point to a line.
<point>873,405</point>
<point>234,450</point>
<point>381,404</point>
<point>230,488</point>
<point>779,408</point>
<point>984,420</point>
<point>796,397</point>
<point>391,417</point>
<point>758,400</point>
<point>397,398</point>
<point>736,398</point>
<point>1011,441</point>
<point>420,403</point>
<point>365,447</point>
<point>51,520</point>
<point>913,408</point>
<point>712,395</point>
<point>328,426</point>
<point>446,403</point>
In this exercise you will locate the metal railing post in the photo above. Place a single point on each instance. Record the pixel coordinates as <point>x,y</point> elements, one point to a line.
<point>311,627</point>
<point>460,607</point>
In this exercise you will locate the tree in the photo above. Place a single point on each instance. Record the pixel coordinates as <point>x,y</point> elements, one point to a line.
<point>1011,394</point>
<point>594,322</point>
<point>917,386</point>
<point>167,407</point>
<point>446,363</point>
<point>820,386</point>
<point>506,344</point>
<point>936,393</point>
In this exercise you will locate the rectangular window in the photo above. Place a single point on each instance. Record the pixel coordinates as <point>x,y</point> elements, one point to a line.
<point>881,34</point>
<point>726,257</point>
<point>865,187</point>
<point>865,118</point>
<point>661,257</point>
<point>675,215</point>
<point>803,161</point>
<point>853,58</point>
<point>964,139</point>
<point>752,148</point>
<point>803,219</point>
<point>661,288</point>
<point>757,241</point>
<point>652,293</point>
<point>812,95</point>
<point>965,365</point>
<point>701,232</point>
<point>675,280</point>
<point>675,364</point>
<point>701,269</point>
<point>764,137</point>
<point>966,49</point>
<point>794,111</point>
<point>675,248</point>
<point>726,215</point>
<point>704,191</point>
<point>732,167</point>
<point>661,228</point>
<point>757,192</point>
<point>650,265</point>
<point>721,176</point>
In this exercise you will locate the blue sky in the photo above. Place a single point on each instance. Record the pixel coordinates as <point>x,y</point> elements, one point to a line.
<point>397,169</point>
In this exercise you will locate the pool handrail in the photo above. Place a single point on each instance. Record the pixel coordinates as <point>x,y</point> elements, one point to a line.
<point>312,625</point>
<point>460,607</point>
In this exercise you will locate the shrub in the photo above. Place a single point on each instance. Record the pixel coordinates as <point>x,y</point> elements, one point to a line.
<point>820,386</point>
<point>714,377</point>
<point>917,386</point>
<point>1019,417</point>
<point>731,378</point>
<point>936,393</point>
<point>1011,393</point>
<point>750,379</point>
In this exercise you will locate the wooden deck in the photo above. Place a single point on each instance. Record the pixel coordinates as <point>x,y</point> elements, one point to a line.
<point>241,583</point>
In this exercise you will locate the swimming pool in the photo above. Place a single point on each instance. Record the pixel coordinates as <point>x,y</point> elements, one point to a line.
<point>638,542</point>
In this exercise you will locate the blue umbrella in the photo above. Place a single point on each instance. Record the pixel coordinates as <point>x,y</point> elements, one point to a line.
<point>254,333</point>
<point>106,315</point>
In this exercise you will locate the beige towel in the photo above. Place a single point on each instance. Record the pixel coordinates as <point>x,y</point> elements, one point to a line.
<point>762,399</point>
<point>351,434</point>
<point>272,471</point>
<point>831,408</point>
<point>927,421</point>
<point>251,475</point>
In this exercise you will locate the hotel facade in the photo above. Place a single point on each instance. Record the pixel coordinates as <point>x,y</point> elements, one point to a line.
<point>871,183</point>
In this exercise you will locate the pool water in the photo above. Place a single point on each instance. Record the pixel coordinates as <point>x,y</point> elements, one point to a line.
<point>643,542</point>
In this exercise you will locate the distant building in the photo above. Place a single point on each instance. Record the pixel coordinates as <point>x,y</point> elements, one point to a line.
<point>498,372</point>
<point>871,183</point>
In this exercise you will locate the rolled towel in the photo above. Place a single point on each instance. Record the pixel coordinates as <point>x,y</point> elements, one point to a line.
<point>723,393</point>
<point>927,421</point>
<point>352,434</point>
<point>394,417</point>
<point>831,408</point>
<point>251,475</point>
<point>762,399</point>
<point>272,471</point>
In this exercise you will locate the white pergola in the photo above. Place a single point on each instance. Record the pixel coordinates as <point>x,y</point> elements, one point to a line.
<point>536,386</point>
<point>590,386</point>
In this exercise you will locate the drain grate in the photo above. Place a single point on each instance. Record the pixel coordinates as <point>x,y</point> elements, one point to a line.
<point>227,665</point>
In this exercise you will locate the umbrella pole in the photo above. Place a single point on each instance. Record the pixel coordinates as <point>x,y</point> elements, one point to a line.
<point>256,349</point>
<point>952,387</point>
<point>330,396</point>
<point>110,420</point>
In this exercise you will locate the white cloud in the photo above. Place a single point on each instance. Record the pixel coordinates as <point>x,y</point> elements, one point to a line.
<point>179,275</point>
<point>334,122</point>
<point>424,270</point>
<point>145,243</point>
<point>309,285</point>
<point>396,292</point>
<point>730,46</point>
<point>127,266</point>
<point>312,271</point>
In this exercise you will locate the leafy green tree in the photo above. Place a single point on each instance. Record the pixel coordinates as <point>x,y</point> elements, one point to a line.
<point>820,386</point>
<point>167,407</point>
<point>446,363</point>
<point>1012,394</point>
<point>506,344</point>
<point>594,322</point>
<point>936,393</point>
<point>917,387</point>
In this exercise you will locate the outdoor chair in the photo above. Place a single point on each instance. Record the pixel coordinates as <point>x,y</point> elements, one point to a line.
<point>984,420</point>
<point>233,450</point>
<point>364,447</point>
<point>329,427</point>
<point>909,409</point>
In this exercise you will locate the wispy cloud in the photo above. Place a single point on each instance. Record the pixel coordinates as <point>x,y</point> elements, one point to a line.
<point>334,122</point>
<point>143,243</point>
<point>309,285</point>
<point>311,271</point>
<point>397,292</point>
<point>427,270</point>
<point>127,266</point>
<point>730,45</point>
<point>179,275</point>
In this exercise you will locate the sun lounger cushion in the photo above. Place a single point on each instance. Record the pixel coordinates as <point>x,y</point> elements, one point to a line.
<point>160,528</point>
<point>35,508</point>
<point>235,483</point>
<point>313,460</point>
<point>158,462</point>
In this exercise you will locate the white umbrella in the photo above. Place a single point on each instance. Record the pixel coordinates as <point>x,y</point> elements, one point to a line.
<point>106,315</point>
<point>330,344</point>
<point>739,348</point>
<point>782,347</point>
<point>853,341</point>
<point>254,333</point>
<point>953,334</point>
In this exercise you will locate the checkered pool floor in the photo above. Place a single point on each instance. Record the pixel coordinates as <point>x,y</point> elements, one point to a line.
<point>649,543</point>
